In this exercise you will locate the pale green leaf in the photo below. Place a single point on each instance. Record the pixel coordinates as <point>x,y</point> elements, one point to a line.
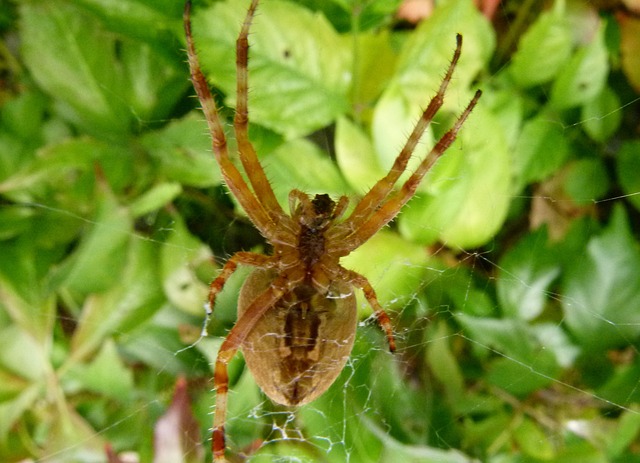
<point>542,50</point>
<point>419,69</point>
<point>155,198</point>
<point>583,76</point>
<point>468,189</point>
<point>355,156</point>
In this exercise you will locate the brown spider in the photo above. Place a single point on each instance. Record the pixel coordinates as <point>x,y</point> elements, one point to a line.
<point>297,312</point>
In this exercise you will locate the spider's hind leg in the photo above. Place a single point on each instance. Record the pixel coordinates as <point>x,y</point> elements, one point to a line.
<point>360,281</point>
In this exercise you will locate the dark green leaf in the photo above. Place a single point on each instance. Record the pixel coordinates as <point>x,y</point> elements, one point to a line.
<point>627,167</point>
<point>102,84</point>
<point>586,181</point>
<point>602,288</point>
<point>526,273</point>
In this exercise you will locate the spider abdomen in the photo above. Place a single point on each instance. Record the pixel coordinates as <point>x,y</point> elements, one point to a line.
<point>298,348</point>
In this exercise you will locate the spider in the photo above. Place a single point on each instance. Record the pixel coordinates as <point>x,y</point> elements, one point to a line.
<point>297,312</point>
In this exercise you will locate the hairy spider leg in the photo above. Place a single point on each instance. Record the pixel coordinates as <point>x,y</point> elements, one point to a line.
<point>248,157</point>
<point>385,213</point>
<point>361,282</point>
<point>232,176</point>
<point>246,258</point>
<point>228,349</point>
<point>379,192</point>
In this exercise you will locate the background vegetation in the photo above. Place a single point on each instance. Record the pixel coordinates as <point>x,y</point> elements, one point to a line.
<point>513,280</point>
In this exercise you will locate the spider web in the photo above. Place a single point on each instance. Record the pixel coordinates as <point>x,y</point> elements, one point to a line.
<point>485,370</point>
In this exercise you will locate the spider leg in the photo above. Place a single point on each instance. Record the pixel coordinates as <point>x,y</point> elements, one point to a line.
<point>247,258</point>
<point>388,210</point>
<point>228,349</point>
<point>383,187</point>
<point>360,281</point>
<point>230,172</point>
<point>248,156</point>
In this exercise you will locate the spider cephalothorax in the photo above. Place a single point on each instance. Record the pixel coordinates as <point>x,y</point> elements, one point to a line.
<point>297,312</point>
<point>314,217</point>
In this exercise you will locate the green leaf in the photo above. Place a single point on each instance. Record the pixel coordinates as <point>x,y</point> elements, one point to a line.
<point>602,288</point>
<point>468,189</point>
<point>395,267</point>
<point>101,84</point>
<point>301,164</point>
<point>423,59</point>
<point>24,297</point>
<point>355,156</point>
<point>526,273</point>
<point>583,76</point>
<point>508,108</point>
<point>542,50</point>
<point>157,344</point>
<point>125,305</point>
<point>155,198</point>
<point>444,365</point>
<point>106,374</point>
<point>601,116</point>
<point>627,168</point>
<point>375,60</point>
<point>183,152</point>
<point>66,429</point>
<point>626,432</point>
<point>73,158</point>
<point>460,286</point>
<point>12,410</point>
<point>581,451</point>
<point>14,220</point>
<point>524,364</point>
<point>532,441</point>
<point>22,355</point>
<point>24,367</point>
<point>97,263</point>
<point>157,22</point>
<point>299,65</point>
<point>541,149</point>
<point>23,117</point>
<point>75,62</point>
<point>620,386</point>
<point>586,181</point>
<point>179,257</point>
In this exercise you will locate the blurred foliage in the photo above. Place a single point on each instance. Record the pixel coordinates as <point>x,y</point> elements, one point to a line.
<point>513,278</point>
